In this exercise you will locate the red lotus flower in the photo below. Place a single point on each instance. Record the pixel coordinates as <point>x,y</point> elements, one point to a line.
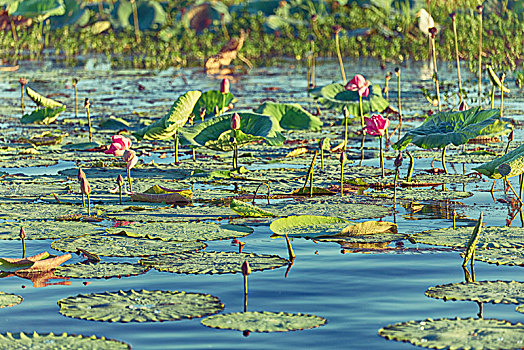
<point>360,84</point>
<point>376,125</point>
<point>235,121</point>
<point>119,145</point>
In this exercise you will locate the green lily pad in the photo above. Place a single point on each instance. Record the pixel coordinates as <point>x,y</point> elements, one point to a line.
<point>50,341</point>
<point>216,133</point>
<point>185,231</point>
<point>249,210</point>
<point>496,292</point>
<point>212,262</point>
<point>469,333</point>
<point>123,245</point>
<point>337,97</point>
<point>309,226</point>
<point>143,213</point>
<point>492,237</point>
<point>514,158</point>
<point>457,128</point>
<point>140,306</point>
<point>45,229</point>
<point>8,300</point>
<point>264,321</point>
<point>100,270</point>
<point>420,194</point>
<point>502,256</point>
<point>291,116</point>
<point>177,116</point>
<point>39,211</point>
<point>443,179</point>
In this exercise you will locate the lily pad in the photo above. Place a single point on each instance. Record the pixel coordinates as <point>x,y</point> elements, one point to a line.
<point>100,270</point>
<point>291,116</point>
<point>8,300</point>
<point>123,245</point>
<point>337,97</point>
<point>264,321</point>
<point>45,229</point>
<point>140,306</point>
<point>469,333</point>
<point>309,226</point>
<point>520,309</point>
<point>50,341</point>
<point>496,292</point>
<point>185,231</point>
<point>168,214</point>
<point>502,256</point>
<point>420,194</point>
<point>249,210</point>
<point>515,159</point>
<point>212,262</point>
<point>492,237</point>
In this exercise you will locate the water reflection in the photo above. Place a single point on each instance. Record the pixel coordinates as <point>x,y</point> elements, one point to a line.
<point>39,278</point>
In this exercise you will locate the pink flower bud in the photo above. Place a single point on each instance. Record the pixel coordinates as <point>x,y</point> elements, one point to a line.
<point>360,84</point>
<point>22,233</point>
<point>398,160</point>
<point>120,180</point>
<point>463,106</point>
<point>343,158</point>
<point>376,125</point>
<point>224,86</point>
<point>130,158</point>
<point>235,121</point>
<point>22,81</point>
<point>81,174</point>
<point>246,269</point>
<point>84,186</point>
<point>119,145</point>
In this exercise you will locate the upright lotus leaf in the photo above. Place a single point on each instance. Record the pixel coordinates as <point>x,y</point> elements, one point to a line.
<point>337,97</point>
<point>8,300</point>
<point>514,158</point>
<point>63,341</point>
<point>495,80</point>
<point>151,14</point>
<point>208,101</point>
<point>264,321</point>
<point>496,292</point>
<point>140,306</point>
<point>42,101</point>
<point>75,14</point>
<point>215,133</point>
<point>457,128</point>
<point>42,116</point>
<point>248,210</point>
<point>310,226</point>
<point>291,116</point>
<point>177,116</point>
<point>469,333</point>
<point>39,10</point>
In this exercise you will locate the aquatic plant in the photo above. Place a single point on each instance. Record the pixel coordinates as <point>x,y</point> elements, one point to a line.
<point>336,30</point>
<point>86,106</point>
<point>119,145</point>
<point>361,85</point>
<point>74,81</point>
<point>23,237</point>
<point>433,32</point>
<point>377,126</point>
<point>120,183</point>
<point>343,159</point>
<point>224,90</point>
<point>131,159</point>
<point>23,83</point>
<point>85,188</point>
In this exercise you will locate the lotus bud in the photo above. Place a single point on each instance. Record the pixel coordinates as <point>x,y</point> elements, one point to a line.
<point>86,103</point>
<point>235,121</point>
<point>314,17</point>
<point>120,180</point>
<point>511,136</point>
<point>217,110</point>
<point>130,158</point>
<point>22,81</point>
<point>224,86</point>
<point>343,158</point>
<point>22,233</point>
<point>453,15</point>
<point>246,269</point>
<point>84,186</point>
<point>433,32</point>
<point>389,75</point>
<point>398,160</point>
<point>397,71</point>
<point>463,106</point>
<point>202,112</point>
<point>74,81</point>
<point>479,9</point>
<point>346,112</point>
<point>81,174</point>
<point>336,29</point>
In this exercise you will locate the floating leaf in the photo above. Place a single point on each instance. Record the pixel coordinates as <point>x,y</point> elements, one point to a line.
<point>291,116</point>
<point>264,321</point>
<point>496,292</point>
<point>469,333</point>
<point>100,270</point>
<point>457,128</point>
<point>212,262</point>
<point>8,300</point>
<point>309,226</point>
<point>369,228</point>
<point>420,194</point>
<point>159,194</point>
<point>514,158</point>
<point>177,116</point>
<point>43,101</point>
<point>63,341</point>
<point>42,116</point>
<point>502,256</point>
<point>114,245</point>
<point>45,229</point>
<point>337,97</point>
<point>151,15</point>
<point>40,262</point>
<point>520,309</point>
<point>140,306</point>
<point>248,210</point>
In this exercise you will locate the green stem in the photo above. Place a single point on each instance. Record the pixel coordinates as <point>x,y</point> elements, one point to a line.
<point>361,111</point>
<point>76,100</point>
<point>135,21</point>
<point>399,105</point>
<point>120,193</point>
<point>436,73</point>
<point>88,205</point>
<point>507,146</point>
<point>346,122</point>
<point>311,185</point>
<point>411,166</point>
<point>129,180</point>
<point>310,170</point>
<point>395,186</point>
<point>493,97</point>
<point>381,157</point>
<point>387,89</point>
<point>83,200</point>
<point>321,157</point>
<point>223,103</point>
<point>337,44</point>
<point>444,159</point>
<point>342,179</point>
<point>22,98</point>
<point>458,59</point>
<point>245,285</point>
<point>480,57</point>
<point>501,99</point>
<point>194,155</point>
<point>176,146</point>
<point>89,124</point>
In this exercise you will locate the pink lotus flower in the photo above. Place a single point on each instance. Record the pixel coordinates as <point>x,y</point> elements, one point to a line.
<point>85,187</point>
<point>463,106</point>
<point>235,121</point>
<point>224,86</point>
<point>130,158</point>
<point>376,125</point>
<point>119,145</point>
<point>360,84</point>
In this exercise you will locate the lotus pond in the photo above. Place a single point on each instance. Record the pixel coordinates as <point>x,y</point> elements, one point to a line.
<point>168,276</point>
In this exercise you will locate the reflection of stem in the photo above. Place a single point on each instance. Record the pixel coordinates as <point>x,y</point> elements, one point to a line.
<point>458,59</point>
<point>381,157</point>
<point>444,159</point>
<point>337,44</point>
<point>129,180</point>
<point>395,186</point>
<point>411,166</point>
<point>289,267</point>
<point>268,192</point>
<point>513,190</point>
<point>480,309</point>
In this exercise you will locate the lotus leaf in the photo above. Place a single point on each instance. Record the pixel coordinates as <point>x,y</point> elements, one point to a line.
<point>122,244</point>
<point>84,146</point>
<point>469,333</point>
<point>42,116</point>
<point>177,116</point>
<point>438,179</point>
<point>264,321</point>
<point>215,133</point>
<point>501,256</point>
<point>100,270</point>
<point>38,211</point>
<point>495,292</point>
<point>184,231</point>
<point>208,101</point>
<point>8,300</point>
<point>309,226</point>
<point>212,262</point>
<point>26,161</point>
<point>520,309</point>
<point>291,116</point>
<point>369,228</point>
<point>168,214</point>
<point>140,306</point>
<point>457,128</point>
<point>39,9</point>
<point>151,14</point>
<point>515,159</point>
<point>420,194</point>
<point>158,194</point>
<point>492,237</point>
<point>249,210</point>
<point>51,341</point>
<point>337,97</point>
<point>43,101</point>
<point>45,229</point>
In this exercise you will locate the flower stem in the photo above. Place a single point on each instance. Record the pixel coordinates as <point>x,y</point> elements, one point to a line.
<point>89,125</point>
<point>135,21</point>
<point>321,158</point>
<point>337,44</point>
<point>346,121</point>
<point>23,248</point>
<point>395,186</point>
<point>399,104</point>
<point>361,111</point>
<point>129,180</point>
<point>76,100</point>
<point>444,159</point>
<point>458,59</point>
<point>381,157</point>
<point>120,193</point>
<point>22,98</point>
<point>480,56</point>
<point>493,97</point>
<point>341,179</point>
<point>245,285</point>
<point>411,166</point>
<point>310,170</point>
<point>501,95</point>
<point>436,73</point>
<point>83,200</point>
<point>194,155</point>
<point>88,205</point>
<point>223,103</point>
<point>176,146</point>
